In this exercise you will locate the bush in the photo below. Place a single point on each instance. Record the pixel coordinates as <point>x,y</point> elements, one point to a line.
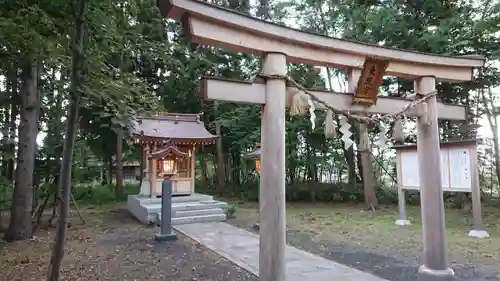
<point>97,194</point>
<point>313,192</point>
<point>230,211</point>
<point>6,190</point>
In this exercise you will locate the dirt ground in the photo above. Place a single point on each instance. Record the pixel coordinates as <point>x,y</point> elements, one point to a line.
<point>373,243</point>
<point>113,246</point>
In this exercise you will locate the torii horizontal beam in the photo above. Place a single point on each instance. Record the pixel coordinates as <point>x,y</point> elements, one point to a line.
<point>255,93</point>
<point>209,24</point>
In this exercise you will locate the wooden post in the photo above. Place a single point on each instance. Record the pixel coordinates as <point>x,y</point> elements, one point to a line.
<point>145,173</point>
<point>193,168</point>
<point>146,162</point>
<point>272,181</point>
<point>435,265</point>
<point>364,148</point>
<point>478,230</point>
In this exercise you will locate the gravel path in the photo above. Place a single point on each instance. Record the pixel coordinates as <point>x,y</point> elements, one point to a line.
<point>116,247</point>
<point>382,262</point>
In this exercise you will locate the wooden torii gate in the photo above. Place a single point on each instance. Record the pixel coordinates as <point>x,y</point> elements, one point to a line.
<point>207,24</point>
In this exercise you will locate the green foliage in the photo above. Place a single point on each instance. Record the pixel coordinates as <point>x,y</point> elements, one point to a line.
<point>323,192</point>
<point>230,211</point>
<point>6,189</point>
<point>96,194</point>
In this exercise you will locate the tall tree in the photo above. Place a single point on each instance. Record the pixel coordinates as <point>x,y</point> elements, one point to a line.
<point>77,59</point>
<point>20,227</point>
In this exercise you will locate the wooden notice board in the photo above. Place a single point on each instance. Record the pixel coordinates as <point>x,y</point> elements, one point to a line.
<point>457,168</point>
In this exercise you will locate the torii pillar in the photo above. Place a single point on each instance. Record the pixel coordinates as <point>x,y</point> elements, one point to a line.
<point>435,265</point>
<point>272,216</point>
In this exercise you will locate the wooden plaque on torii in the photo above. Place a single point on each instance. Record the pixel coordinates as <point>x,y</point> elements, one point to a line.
<point>371,78</point>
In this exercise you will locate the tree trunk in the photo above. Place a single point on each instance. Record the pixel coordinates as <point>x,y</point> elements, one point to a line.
<point>204,168</point>
<point>119,164</point>
<point>20,226</point>
<point>14,112</point>
<point>110,169</point>
<point>491,116</point>
<point>65,182</point>
<point>221,174</point>
<point>236,172</point>
<point>292,163</point>
<point>351,165</point>
<point>6,139</point>
<point>311,163</point>
<point>366,168</point>
<point>263,10</point>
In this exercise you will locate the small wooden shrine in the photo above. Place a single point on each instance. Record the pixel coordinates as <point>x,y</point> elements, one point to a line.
<point>255,155</point>
<point>168,150</point>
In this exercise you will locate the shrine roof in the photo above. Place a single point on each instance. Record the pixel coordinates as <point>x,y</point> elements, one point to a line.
<point>172,126</point>
<point>167,150</point>
<point>254,154</point>
<point>208,24</point>
<point>443,144</point>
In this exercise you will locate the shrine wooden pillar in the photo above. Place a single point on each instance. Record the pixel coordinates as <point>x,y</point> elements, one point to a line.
<point>152,177</point>
<point>435,264</point>
<point>145,171</point>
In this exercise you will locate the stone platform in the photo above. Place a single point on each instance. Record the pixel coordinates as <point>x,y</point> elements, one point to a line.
<point>185,209</point>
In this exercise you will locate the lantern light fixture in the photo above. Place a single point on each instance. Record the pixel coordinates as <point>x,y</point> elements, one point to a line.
<point>255,155</point>
<point>169,166</point>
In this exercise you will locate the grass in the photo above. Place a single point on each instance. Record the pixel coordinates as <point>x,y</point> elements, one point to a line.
<point>347,224</point>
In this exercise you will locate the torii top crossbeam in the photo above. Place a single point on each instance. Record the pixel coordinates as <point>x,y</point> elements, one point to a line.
<point>208,24</point>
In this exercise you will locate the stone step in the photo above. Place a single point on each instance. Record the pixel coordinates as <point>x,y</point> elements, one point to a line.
<point>176,199</point>
<point>195,219</point>
<point>156,208</point>
<point>196,213</point>
<point>191,198</point>
<point>199,205</point>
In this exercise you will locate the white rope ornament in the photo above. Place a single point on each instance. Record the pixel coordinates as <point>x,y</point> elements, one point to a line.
<point>299,89</point>
<point>303,99</point>
<point>398,134</point>
<point>311,112</point>
<point>330,130</point>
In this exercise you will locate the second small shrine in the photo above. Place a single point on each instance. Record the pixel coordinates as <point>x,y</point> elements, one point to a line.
<point>168,146</point>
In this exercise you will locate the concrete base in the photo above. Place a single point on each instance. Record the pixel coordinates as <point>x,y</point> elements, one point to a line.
<point>165,237</point>
<point>402,222</point>
<point>427,274</point>
<point>185,209</point>
<point>479,233</point>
